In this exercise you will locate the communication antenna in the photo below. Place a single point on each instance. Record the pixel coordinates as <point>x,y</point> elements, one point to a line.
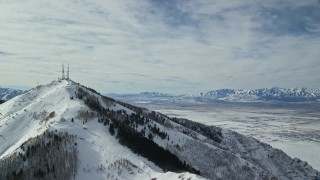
<point>68,72</point>
<point>63,77</point>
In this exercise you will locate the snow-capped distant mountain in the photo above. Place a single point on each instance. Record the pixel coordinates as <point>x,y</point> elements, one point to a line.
<point>229,95</point>
<point>272,94</point>
<point>67,131</point>
<point>8,93</point>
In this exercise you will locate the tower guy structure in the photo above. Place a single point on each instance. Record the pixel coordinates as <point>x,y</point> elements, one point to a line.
<point>63,77</point>
<point>63,74</point>
<point>68,72</point>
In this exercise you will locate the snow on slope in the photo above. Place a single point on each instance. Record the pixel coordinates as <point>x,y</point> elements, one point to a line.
<point>17,122</point>
<point>212,152</point>
<point>100,154</point>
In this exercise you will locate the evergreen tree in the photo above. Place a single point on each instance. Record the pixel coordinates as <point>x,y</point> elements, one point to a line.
<point>111,129</point>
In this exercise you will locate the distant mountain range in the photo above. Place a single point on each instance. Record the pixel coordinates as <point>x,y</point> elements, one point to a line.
<point>8,93</point>
<point>230,95</point>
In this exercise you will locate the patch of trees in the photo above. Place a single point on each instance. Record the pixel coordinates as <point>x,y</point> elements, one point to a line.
<point>51,155</point>
<point>104,121</point>
<point>124,126</point>
<point>134,120</point>
<point>108,100</point>
<point>121,166</point>
<point>81,93</point>
<point>86,114</point>
<point>40,116</point>
<point>111,129</point>
<point>156,130</point>
<point>92,90</point>
<point>150,150</point>
<point>51,115</point>
<point>92,102</point>
<point>136,109</point>
<point>43,115</point>
<point>158,117</point>
<point>211,132</point>
<point>137,119</point>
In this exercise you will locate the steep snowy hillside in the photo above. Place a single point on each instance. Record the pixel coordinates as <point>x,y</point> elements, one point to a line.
<point>67,131</point>
<point>7,93</point>
<point>59,109</point>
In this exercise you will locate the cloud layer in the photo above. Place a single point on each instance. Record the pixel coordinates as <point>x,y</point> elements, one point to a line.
<point>178,46</point>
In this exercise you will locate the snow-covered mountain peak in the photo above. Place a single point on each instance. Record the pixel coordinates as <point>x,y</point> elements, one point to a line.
<point>67,107</point>
<point>20,114</point>
<point>64,130</point>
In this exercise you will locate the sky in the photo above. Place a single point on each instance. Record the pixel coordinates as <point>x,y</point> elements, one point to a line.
<point>176,46</point>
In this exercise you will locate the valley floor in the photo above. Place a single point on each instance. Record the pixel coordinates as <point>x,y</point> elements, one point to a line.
<point>294,130</point>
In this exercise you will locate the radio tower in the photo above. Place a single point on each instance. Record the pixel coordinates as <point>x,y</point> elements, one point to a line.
<point>63,77</point>
<point>68,72</point>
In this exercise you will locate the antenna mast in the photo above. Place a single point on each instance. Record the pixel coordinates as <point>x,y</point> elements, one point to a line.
<point>68,72</point>
<point>63,77</point>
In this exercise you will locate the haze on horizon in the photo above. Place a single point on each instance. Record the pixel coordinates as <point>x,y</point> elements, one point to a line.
<point>178,46</point>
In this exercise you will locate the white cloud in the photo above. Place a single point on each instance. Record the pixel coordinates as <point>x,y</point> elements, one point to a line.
<point>180,47</point>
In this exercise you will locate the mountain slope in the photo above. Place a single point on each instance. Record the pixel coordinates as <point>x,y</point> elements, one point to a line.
<point>7,93</point>
<point>100,156</point>
<point>109,139</point>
